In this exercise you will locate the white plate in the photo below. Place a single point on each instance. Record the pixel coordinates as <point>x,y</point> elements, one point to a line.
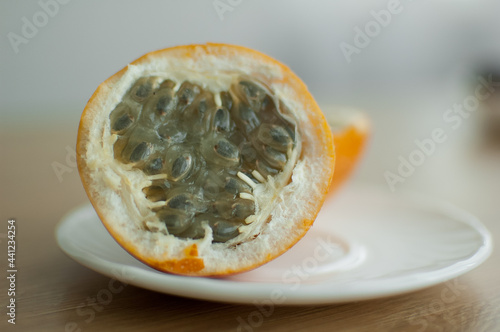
<point>366,243</point>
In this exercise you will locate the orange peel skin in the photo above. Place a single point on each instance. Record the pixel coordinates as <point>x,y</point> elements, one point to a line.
<point>350,138</point>
<point>286,201</point>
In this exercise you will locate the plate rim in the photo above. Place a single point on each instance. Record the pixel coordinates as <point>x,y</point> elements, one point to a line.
<point>246,292</point>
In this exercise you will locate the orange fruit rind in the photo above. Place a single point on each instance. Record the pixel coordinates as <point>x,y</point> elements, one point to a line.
<point>351,130</point>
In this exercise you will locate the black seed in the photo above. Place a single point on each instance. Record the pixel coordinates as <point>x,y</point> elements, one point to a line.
<point>122,118</point>
<point>291,132</point>
<point>232,186</point>
<point>243,209</point>
<point>163,104</point>
<point>253,93</point>
<point>171,133</point>
<point>202,106</point>
<point>251,90</point>
<point>195,231</point>
<point>279,135</point>
<point>176,223</point>
<point>224,231</point>
<point>275,136</point>
<point>235,186</point>
<point>248,117</point>
<point>154,166</point>
<point>268,112</point>
<point>222,207</point>
<point>180,202</point>
<point>274,157</point>
<point>123,123</point>
<point>221,120</point>
<point>140,152</point>
<point>248,152</point>
<point>119,147</point>
<point>226,100</point>
<point>226,150</point>
<point>181,166</point>
<point>265,169</point>
<point>267,102</point>
<point>246,113</point>
<point>186,95</point>
<point>143,91</point>
<point>219,115</point>
<point>187,92</point>
<point>143,88</point>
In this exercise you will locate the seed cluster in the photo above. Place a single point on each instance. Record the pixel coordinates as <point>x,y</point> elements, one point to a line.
<point>211,153</point>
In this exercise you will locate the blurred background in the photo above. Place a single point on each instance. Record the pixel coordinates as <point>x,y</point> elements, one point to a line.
<point>404,63</point>
<point>417,69</point>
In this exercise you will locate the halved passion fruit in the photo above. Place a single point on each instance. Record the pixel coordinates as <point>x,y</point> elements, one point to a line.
<point>205,159</point>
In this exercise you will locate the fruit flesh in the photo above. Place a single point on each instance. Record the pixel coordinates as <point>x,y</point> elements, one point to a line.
<point>205,152</point>
<point>290,200</point>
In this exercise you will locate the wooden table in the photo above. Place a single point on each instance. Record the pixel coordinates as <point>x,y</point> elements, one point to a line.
<point>54,293</point>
